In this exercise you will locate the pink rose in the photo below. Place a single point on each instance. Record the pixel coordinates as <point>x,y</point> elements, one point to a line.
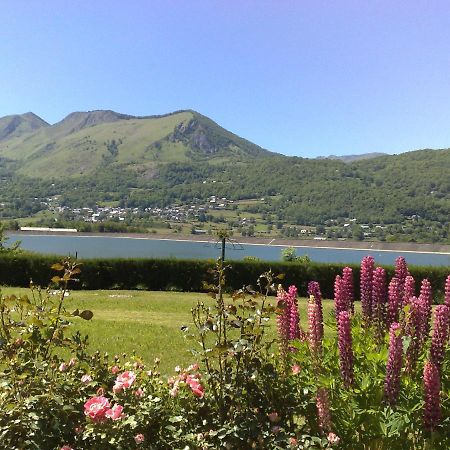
<point>114,370</point>
<point>66,447</point>
<point>117,388</point>
<point>273,417</point>
<point>115,413</point>
<point>293,442</point>
<point>295,369</point>
<point>126,379</point>
<point>96,408</point>
<point>193,367</point>
<point>86,379</point>
<point>139,438</point>
<point>63,367</point>
<point>139,393</point>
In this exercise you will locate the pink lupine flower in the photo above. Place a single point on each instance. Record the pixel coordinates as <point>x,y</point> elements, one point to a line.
<point>294,319</point>
<point>115,413</point>
<point>333,438</point>
<point>66,447</point>
<point>126,379</point>
<point>63,367</point>
<point>409,289</point>
<point>86,379</point>
<point>345,348</point>
<point>139,438</point>
<point>395,301</point>
<point>323,409</point>
<point>440,335</point>
<point>427,298</point>
<point>283,320</point>
<point>96,408</point>
<point>394,365</point>
<point>314,328</point>
<point>415,330</point>
<point>431,391</point>
<point>367,268</point>
<point>401,272</point>
<point>314,289</point>
<point>347,278</point>
<point>447,292</point>
<point>340,299</point>
<point>379,300</point>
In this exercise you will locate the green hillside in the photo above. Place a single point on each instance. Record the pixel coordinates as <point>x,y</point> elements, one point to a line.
<point>185,158</point>
<point>85,142</point>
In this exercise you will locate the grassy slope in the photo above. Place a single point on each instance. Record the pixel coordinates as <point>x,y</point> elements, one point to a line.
<point>147,323</point>
<point>81,152</point>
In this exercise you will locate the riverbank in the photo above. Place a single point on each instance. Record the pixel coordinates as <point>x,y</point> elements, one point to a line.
<point>274,242</point>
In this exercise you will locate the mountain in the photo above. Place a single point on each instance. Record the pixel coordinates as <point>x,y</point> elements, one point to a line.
<point>19,125</point>
<point>353,158</point>
<point>185,158</point>
<point>84,142</point>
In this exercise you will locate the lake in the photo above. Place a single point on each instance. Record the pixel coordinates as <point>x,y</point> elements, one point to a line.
<point>132,247</point>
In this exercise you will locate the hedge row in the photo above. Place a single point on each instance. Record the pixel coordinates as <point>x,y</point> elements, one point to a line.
<point>187,275</point>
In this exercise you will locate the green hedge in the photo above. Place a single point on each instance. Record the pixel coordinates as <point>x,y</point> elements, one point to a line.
<point>187,275</point>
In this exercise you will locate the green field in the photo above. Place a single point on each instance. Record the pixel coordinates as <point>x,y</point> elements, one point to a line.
<point>145,322</point>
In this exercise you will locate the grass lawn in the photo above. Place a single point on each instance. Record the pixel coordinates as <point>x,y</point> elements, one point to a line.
<point>145,322</point>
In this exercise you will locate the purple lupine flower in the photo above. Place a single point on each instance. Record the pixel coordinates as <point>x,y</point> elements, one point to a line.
<point>314,289</point>
<point>315,326</point>
<point>323,409</point>
<point>401,271</point>
<point>431,392</point>
<point>345,348</point>
<point>394,365</point>
<point>394,301</point>
<point>379,299</point>
<point>347,278</point>
<point>440,335</point>
<point>340,300</point>
<point>427,298</point>
<point>447,291</point>
<point>367,268</point>
<point>415,330</point>
<point>409,290</point>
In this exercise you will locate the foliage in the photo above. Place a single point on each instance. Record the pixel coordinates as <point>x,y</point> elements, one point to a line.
<point>188,275</point>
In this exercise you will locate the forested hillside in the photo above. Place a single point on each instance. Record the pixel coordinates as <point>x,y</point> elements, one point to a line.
<point>184,157</point>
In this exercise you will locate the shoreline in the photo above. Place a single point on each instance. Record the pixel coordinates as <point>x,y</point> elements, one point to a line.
<point>407,247</point>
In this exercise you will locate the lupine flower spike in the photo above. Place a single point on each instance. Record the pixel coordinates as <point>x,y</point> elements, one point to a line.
<point>314,289</point>
<point>440,335</point>
<point>394,365</point>
<point>347,278</point>
<point>447,292</point>
<point>367,268</point>
<point>379,298</point>
<point>394,301</point>
<point>427,298</point>
<point>410,289</point>
<point>340,300</point>
<point>345,348</point>
<point>431,392</point>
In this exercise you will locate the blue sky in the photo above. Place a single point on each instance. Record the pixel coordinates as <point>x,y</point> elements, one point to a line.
<point>302,77</point>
